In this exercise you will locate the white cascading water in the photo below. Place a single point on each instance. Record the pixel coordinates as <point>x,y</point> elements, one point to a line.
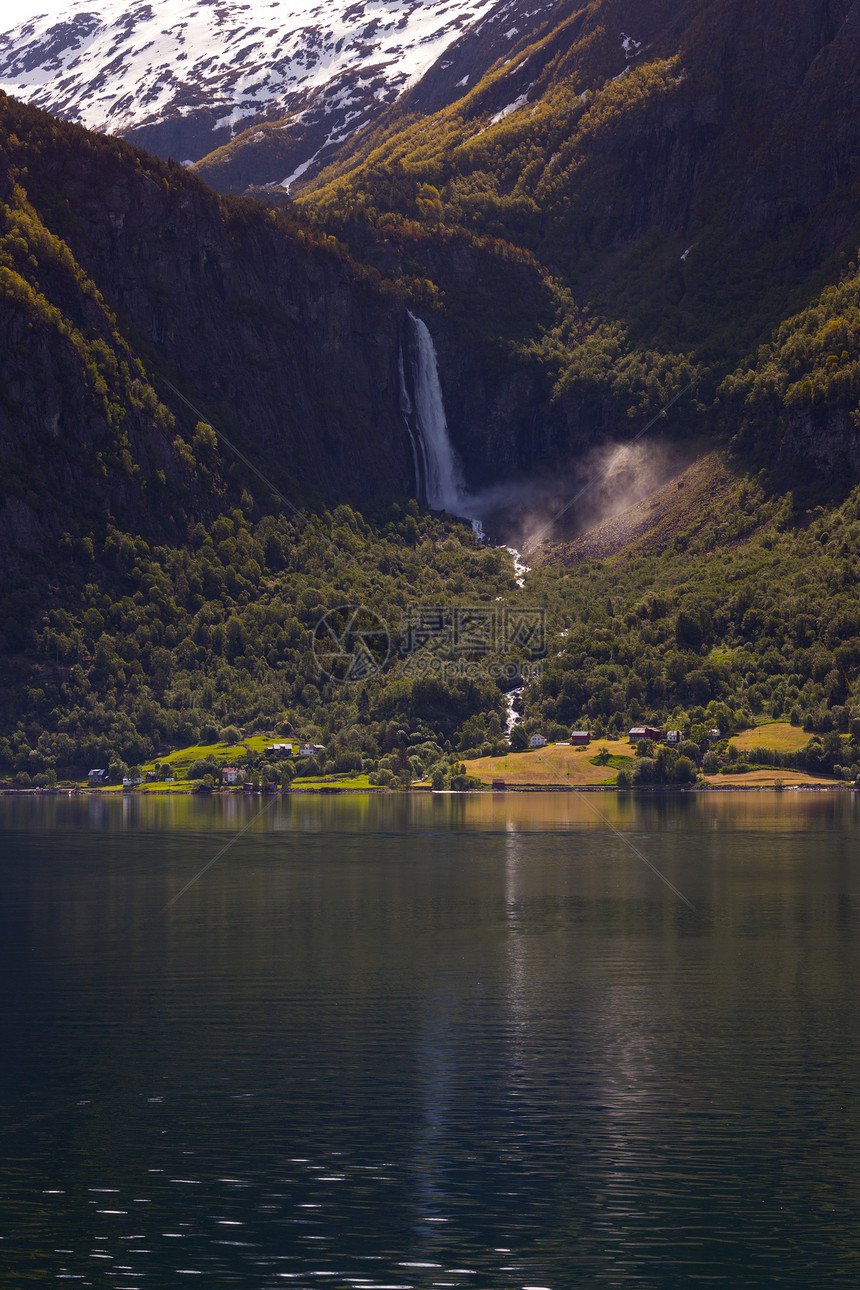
<point>438,475</point>
<point>443,484</point>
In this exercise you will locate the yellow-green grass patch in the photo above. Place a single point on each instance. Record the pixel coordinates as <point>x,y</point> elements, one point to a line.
<point>344,781</point>
<point>779,736</point>
<point>553,766</point>
<point>181,758</point>
<point>766,777</point>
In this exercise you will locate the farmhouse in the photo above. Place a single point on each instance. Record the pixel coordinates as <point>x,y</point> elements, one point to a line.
<point>638,733</point>
<point>96,777</point>
<point>537,741</point>
<point>231,775</point>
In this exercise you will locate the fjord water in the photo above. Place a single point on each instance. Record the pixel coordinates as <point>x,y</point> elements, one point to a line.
<point>421,1041</point>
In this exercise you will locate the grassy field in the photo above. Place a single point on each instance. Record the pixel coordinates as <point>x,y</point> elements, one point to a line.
<point>182,758</point>
<point>349,783</point>
<point>778,735</point>
<point>345,781</point>
<point>766,777</point>
<point>564,766</point>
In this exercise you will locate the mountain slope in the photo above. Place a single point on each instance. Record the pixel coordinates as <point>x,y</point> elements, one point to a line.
<point>291,149</point>
<point>686,175</point>
<point>701,113</point>
<point>181,77</point>
<point>119,271</point>
<point>153,580</point>
<point>153,583</point>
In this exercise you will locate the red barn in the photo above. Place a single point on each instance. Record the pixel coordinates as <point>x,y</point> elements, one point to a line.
<point>645,732</point>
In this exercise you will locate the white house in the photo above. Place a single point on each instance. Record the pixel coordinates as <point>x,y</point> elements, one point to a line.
<point>231,775</point>
<point>537,741</point>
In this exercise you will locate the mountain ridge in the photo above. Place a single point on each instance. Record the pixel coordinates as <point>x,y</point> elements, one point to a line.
<point>180,78</point>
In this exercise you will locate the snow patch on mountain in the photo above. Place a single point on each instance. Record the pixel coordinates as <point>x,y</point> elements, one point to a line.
<point>118,65</point>
<point>511,107</point>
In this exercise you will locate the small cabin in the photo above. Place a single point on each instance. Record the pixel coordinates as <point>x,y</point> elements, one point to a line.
<point>278,751</point>
<point>537,741</point>
<point>579,738</point>
<point>499,785</point>
<point>96,777</point>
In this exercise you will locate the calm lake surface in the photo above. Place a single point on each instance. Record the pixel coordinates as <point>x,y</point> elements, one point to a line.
<point>415,1041</point>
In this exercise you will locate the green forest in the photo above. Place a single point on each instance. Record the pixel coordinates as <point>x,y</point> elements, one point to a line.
<point>744,614</point>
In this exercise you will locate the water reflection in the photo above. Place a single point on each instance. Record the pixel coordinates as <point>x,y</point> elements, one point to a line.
<point>430,1040</point>
<point>526,812</point>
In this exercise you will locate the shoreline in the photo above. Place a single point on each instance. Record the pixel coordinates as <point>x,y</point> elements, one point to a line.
<point>338,791</point>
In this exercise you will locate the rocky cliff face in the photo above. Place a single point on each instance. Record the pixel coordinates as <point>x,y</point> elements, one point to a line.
<point>824,443</point>
<point>281,344</point>
<point>118,271</point>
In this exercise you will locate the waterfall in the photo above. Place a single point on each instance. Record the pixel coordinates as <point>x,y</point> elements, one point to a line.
<point>439,477</point>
